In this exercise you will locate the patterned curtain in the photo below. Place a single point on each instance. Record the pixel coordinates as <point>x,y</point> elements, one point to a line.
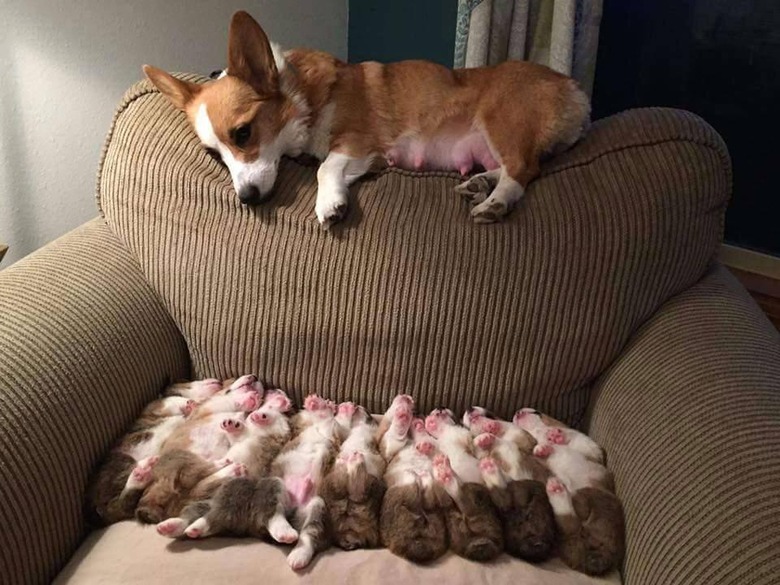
<point>562,34</point>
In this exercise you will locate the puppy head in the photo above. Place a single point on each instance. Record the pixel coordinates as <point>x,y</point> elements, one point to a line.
<point>244,118</point>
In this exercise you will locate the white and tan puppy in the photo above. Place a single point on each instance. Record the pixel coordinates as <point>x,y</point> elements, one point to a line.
<point>302,465</point>
<point>354,488</point>
<point>412,114</point>
<point>412,523</point>
<point>474,528</point>
<point>256,443</point>
<point>114,492</point>
<point>589,516</point>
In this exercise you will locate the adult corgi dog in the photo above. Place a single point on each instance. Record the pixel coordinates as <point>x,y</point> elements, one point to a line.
<point>415,115</point>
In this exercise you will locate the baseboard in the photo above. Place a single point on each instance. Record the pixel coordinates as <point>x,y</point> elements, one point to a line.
<point>759,273</point>
<point>750,261</point>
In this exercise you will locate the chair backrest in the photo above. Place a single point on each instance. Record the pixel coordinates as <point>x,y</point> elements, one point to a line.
<point>408,294</point>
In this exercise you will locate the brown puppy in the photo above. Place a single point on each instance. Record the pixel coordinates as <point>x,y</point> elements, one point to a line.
<point>256,504</point>
<point>589,516</point>
<point>126,471</point>
<point>186,470</point>
<point>473,525</point>
<point>354,488</point>
<point>516,480</point>
<point>412,523</point>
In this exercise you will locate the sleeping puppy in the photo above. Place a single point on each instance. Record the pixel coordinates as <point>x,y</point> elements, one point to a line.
<point>302,465</point>
<point>473,525</point>
<point>589,516</point>
<point>516,480</point>
<point>126,471</point>
<point>186,470</point>
<point>411,522</point>
<point>354,488</point>
<point>253,505</point>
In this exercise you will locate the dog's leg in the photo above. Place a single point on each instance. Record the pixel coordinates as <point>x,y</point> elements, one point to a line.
<point>476,189</point>
<point>503,198</point>
<point>518,154</point>
<point>337,172</point>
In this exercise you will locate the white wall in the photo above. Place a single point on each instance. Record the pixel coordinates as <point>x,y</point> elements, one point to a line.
<point>64,66</point>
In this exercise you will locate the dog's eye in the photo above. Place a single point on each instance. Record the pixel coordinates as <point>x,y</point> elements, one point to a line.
<point>214,153</point>
<point>242,134</point>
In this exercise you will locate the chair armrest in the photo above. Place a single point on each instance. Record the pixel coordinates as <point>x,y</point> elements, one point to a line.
<point>690,418</point>
<point>84,343</point>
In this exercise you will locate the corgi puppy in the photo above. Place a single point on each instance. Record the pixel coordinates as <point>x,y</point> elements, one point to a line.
<point>415,115</point>
<point>354,488</point>
<point>248,506</point>
<point>114,492</point>
<point>516,480</point>
<point>186,469</point>
<point>589,515</point>
<point>411,522</point>
<point>474,528</point>
<point>302,464</point>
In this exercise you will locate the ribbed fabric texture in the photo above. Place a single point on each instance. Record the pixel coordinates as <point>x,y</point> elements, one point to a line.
<point>84,344</point>
<point>690,418</point>
<point>408,294</point>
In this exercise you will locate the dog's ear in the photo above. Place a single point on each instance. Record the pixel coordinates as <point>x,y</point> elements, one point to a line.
<point>178,91</point>
<point>250,57</point>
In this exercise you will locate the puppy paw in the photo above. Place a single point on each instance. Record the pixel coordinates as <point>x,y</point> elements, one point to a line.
<point>300,557</point>
<point>543,450</point>
<point>556,436</point>
<point>555,487</point>
<point>172,527</point>
<point>484,441</point>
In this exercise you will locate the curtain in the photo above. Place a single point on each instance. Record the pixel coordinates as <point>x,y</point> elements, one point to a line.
<point>562,34</point>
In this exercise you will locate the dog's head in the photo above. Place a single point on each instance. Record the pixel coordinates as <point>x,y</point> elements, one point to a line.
<point>246,118</point>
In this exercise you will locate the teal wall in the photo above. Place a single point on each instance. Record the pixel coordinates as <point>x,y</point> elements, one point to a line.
<point>393,30</point>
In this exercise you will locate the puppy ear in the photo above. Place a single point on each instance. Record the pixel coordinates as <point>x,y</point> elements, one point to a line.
<point>179,92</point>
<point>250,57</point>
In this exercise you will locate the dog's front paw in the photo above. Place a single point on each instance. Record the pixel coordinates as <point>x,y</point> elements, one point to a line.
<point>489,211</point>
<point>330,210</point>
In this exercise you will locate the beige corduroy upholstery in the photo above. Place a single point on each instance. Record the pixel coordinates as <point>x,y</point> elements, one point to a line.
<point>690,418</point>
<point>408,294</point>
<point>84,344</point>
<point>597,301</point>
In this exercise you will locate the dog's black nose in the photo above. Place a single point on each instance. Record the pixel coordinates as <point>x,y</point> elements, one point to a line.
<point>249,195</point>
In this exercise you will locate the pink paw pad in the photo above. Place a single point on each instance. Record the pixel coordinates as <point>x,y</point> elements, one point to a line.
<point>238,470</point>
<point>554,486</point>
<point>170,527</point>
<point>442,470</point>
<point>488,465</point>
<point>278,400</point>
<point>231,425</point>
<point>346,409</point>
<point>491,426</point>
<point>194,532</point>
<point>543,450</point>
<point>556,436</point>
<point>425,447</point>
<point>484,441</point>
<point>188,407</point>
<point>314,402</point>
<point>355,458</point>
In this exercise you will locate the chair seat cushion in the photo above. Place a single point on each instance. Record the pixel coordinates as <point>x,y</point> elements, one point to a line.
<point>128,553</point>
